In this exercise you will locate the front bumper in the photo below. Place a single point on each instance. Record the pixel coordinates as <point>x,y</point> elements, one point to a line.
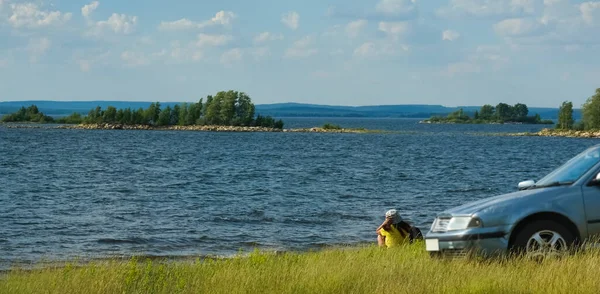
<point>479,241</point>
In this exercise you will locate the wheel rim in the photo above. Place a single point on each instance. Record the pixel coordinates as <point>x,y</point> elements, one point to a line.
<point>546,243</point>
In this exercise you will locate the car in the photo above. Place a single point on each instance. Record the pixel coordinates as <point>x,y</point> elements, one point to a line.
<point>550,217</point>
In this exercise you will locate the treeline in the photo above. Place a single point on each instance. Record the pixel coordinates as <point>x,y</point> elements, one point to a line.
<point>501,113</point>
<point>590,115</point>
<point>29,114</point>
<point>229,108</point>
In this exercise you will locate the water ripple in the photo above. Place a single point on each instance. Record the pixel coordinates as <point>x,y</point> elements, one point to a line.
<point>70,193</point>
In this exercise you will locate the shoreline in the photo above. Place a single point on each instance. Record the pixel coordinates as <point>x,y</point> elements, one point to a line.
<point>477,123</point>
<point>202,128</point>
<point>558,133</point>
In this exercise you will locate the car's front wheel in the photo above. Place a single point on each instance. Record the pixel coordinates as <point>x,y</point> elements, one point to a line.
<point>542,239</point>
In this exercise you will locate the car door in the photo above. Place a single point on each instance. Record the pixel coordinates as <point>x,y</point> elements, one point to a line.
<point>591,200</point>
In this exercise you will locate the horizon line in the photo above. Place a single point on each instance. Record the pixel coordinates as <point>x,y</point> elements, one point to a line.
<point>274,103</point>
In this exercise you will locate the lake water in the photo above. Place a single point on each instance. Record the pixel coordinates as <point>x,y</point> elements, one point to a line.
<point>92,194</point>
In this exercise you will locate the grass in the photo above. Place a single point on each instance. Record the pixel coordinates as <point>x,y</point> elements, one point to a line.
<point>346,270</point>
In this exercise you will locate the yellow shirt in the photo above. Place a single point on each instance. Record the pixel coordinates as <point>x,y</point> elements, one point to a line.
<point>394,237</point>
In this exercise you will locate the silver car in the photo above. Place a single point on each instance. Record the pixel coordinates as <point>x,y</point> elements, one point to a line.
<point>558,213</point>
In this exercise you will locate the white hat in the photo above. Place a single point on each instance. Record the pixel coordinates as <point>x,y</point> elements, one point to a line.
<point>393,214</point>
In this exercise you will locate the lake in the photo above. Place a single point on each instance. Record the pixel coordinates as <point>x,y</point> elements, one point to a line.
<point>66,194</point>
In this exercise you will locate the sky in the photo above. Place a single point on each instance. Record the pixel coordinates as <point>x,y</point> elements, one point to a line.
<point>337,52</point>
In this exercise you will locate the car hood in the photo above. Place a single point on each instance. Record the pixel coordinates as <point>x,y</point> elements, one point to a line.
<point>500,201</point>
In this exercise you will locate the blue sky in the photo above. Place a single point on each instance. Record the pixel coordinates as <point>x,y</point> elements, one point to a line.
<point>451,52</point>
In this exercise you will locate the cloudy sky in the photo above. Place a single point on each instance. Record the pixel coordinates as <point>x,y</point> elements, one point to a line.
<point>341,52</point>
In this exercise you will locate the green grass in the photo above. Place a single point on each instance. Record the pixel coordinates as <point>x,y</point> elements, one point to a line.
<point>345,270</point>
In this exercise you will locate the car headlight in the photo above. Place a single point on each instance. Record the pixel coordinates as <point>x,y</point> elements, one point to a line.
<point>463,222</point>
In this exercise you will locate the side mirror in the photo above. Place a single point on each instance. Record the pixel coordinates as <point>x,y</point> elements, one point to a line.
<point>595,181</point>
<point>526,184</point>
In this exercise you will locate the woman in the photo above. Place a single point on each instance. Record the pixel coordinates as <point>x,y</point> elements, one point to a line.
<point>393,231</point>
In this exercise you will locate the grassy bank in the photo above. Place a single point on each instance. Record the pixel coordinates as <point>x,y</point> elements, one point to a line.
<point>350,270</point>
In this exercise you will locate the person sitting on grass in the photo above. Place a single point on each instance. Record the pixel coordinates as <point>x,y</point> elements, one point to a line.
<point>394,231</point>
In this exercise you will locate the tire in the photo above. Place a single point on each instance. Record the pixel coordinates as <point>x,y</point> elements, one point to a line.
<point>542,239</point>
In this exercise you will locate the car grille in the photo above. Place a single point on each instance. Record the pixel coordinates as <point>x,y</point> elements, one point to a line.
<point>441,225</point>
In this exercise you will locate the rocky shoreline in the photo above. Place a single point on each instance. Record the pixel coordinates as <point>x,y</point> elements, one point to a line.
<point>560,133</point>
<point>212,128</point>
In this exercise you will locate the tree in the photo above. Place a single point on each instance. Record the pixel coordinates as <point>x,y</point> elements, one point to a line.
<point>164,118</point>
<point>503,111</point>
<point>183,112</point>
<point>591,112</point>
<point>138,117</point>
<point>520,110</point>
<point>190,117</point>
<point>244,109</point>
<point>279,124</point>
<point>476,115</point>
<point>175,115</point>
<point>458,115</point>
<point>127,119</point>
<point>213,111</point>
<point>198,112</point>
<point>228,110</point>
<point>565,116</point>
<point>209,100</point>
<point>486,112</point>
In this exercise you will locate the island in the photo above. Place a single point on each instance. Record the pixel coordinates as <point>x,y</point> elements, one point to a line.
<point>231,108</point>
<point>230,111</point>
<point>501,114</point>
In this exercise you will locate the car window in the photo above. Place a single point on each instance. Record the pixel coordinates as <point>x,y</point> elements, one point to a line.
<point>573,169</point>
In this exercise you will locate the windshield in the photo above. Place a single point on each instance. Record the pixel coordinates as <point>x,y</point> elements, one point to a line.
<point>573,169</point>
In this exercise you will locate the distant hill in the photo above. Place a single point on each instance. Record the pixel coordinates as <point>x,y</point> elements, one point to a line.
<point>63,108</point>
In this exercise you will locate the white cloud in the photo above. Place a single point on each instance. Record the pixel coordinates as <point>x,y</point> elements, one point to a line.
<point>223,18</point>
<point>354,28</point>
<point>486,8</point>
<point>116,23</point>
<point>182,24</point>
<point>260,52</point>
<point>87,59</point>
<point>396,30</point>
<point>87,10</point>
<point>366,49</point>
<point>205,40</point>
<point>461,68</point>
<point>193,52</point>
<point>301,48</point>
<point>323,74</point>
<point>231,56</point>
<point>395,6</point>
<point>572,48</point>
<point>450,35</point>
<point>134,59</point>
<point>37,48</point>
<point>590,11</point>
<point>551,2</point>
<point>85,65</point>
<point>267,36</point>
<point>371,49</point>
<point>527,6</point>
<point>337,52</point>
<point>558,11</point>
<point>517,27</point>
<point>483,58</point>
<point>291,20</point>
<point>29,15</point>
